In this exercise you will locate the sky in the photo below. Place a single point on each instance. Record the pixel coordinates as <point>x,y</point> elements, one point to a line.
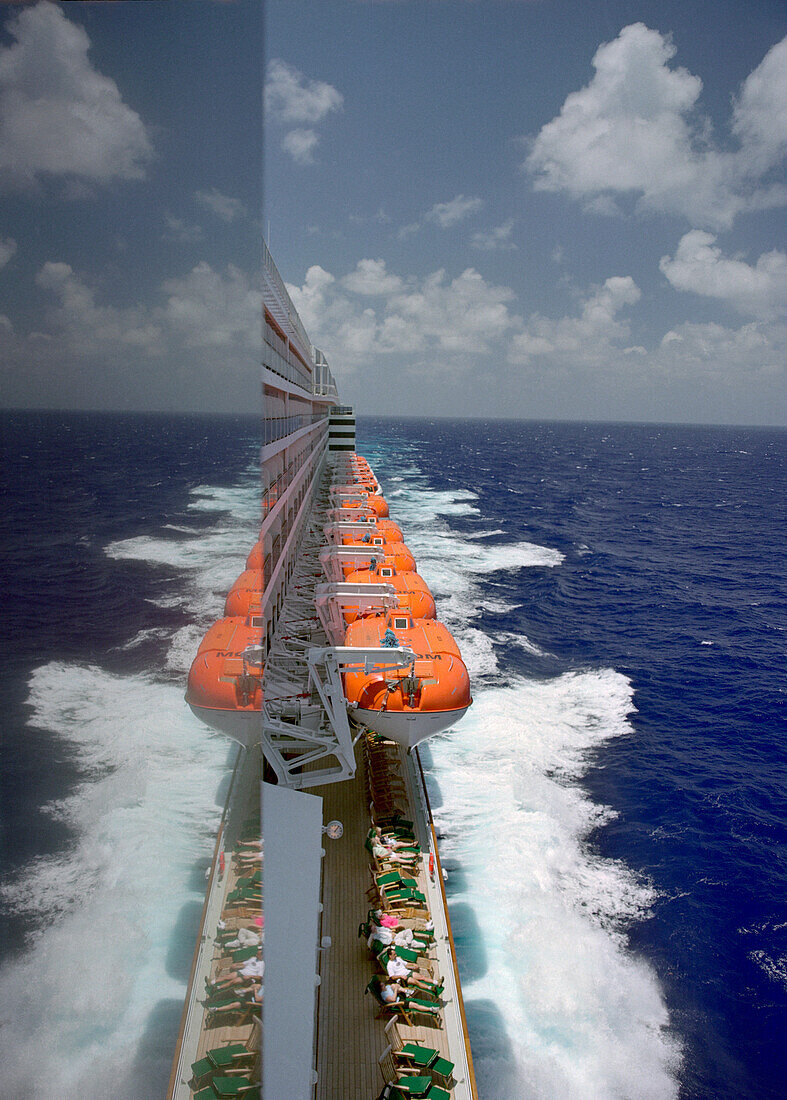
<point>530,208</point>
<point>548,209</point>
<point>130,205</point>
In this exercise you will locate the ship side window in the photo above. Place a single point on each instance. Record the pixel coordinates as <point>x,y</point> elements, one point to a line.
<point>377,542</point>
<point>386,572</point>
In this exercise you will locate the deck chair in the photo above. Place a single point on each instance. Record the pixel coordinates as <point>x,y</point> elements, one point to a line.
<point>407,1007</point>
<point>407,1083</point>
<point>221,1059</point>
<point>227,1087</point>
<point>413,1053</point>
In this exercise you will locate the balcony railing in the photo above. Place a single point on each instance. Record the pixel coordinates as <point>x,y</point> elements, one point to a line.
<point>276,427</point>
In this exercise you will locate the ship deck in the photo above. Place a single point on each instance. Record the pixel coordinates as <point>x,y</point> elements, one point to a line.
<point>203,1031</point>
<point>351,1028</point>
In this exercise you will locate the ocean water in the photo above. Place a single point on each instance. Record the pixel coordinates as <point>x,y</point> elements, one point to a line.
<point>612,808</point>
<point>121,536</point>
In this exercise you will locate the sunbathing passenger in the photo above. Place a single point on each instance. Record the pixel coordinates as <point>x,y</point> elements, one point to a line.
<point>389,841</point>
<point>399,970</point>
<point>390,992</point>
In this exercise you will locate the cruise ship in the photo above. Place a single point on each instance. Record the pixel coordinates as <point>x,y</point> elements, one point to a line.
<point>325,967</point>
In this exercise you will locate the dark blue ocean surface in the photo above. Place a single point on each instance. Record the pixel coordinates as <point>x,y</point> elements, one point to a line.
<point>121,535</point>
<point>673,543</point>
<point>72,483</point>
<point>648,563</point>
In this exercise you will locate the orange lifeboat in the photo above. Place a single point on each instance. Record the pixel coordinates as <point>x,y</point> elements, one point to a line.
<point>367,484</point>
<point>407,704</point>
<point>397,552</point>
<point>411,589</point>
<point>245,595</point>
<point>225,680</point>
<point>254,560</point>
<point>383,528</point>
<point>372,501</point>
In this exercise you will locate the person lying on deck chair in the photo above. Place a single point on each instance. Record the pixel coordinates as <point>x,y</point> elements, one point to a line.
<point>240,974</point>
<point>399,970</point>
<point>389,841</point>
<point>390,992</point>
<point>246,937</point>
<point>379,851</point>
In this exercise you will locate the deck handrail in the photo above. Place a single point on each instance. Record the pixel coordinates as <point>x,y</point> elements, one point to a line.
<point>174,1077</point>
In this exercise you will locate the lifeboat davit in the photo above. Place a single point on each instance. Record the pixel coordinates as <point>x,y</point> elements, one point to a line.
<point>373,501</point>
<point>411,589</point>
<point>225,680</point>
<point>396,552</point>
<point>407,704</point>
<point>383,528</point>
<point>245,596</point>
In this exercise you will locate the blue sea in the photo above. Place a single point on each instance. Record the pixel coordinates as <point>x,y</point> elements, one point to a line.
<point>611,808</point>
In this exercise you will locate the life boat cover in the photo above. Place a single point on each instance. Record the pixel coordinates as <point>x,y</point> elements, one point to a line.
<point>386,528</point>
<point>411,589</point>
<point>437,682</point>
<point>227,672</point>
<point>255,558</point>
<point>245,595</point>
<point>397,552</point>
<point>373,501</point>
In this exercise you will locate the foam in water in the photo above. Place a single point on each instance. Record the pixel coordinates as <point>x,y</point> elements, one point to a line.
<point>99,991</point>
<point>210,562</point>
<point>112,919</point>
<point>453,566</point>
<point>558,1006</point>
<point>579,1015</point>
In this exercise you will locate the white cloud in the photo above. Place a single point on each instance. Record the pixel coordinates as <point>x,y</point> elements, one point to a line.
<point>179,230</point>
<point>209,310</point>
<point>291,99</point>
<point>58,115</point>
<point>753,351</point>
<point>495,239</point>
<point>204,309</point>
<point>700,267</point>
<point>370,277</point>
<point>595,357</point>
<point>589,339</point>
<point>447,214</point>
<point>300,144</point>
<point>444,214</point>
<point>223,206</point>
<point>416,318</point>
<point>7,251</point>
<point>86,327</point>
<point>635,130</point>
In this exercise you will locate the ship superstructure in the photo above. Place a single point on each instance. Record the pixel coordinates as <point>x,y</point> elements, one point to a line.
<point>347,838</point>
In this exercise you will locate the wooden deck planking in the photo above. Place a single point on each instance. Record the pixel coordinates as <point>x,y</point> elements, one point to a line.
<point>351,1038</point>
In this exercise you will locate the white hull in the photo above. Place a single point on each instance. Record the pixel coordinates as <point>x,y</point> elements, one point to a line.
<point>243,726</point>
<point>407,729</point>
